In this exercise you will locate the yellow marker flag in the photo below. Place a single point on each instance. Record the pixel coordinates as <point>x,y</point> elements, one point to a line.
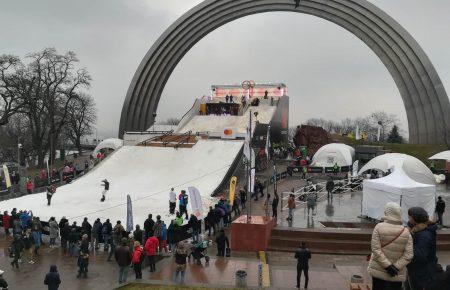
<point>233,182</point>
<point>7,178</point>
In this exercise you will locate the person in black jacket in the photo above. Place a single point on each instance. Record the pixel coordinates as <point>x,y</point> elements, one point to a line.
<point>275,201</point>
<point>73,239</point>
<point>330,186</point>
<point>243,196</point>
<point>440,209</point>
<point>193,224</point>
<point>105,190</point>
<point>3,283</point>
<point>123,259</point>
<point>138,234</point>
<point>149,224</point>
<point>28,242</point>
<point>222,243</point>
<point>211,221</point>
<point>83,258</point>
<point>86,228</point>
<point>422,268</point>
<point>16,249</point>
<point>303,255</point>
<point>52,278</point>
<point>64,233</point>
<point>107,235</point>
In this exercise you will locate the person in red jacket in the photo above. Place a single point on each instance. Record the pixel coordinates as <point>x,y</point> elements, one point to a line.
<point>6,222</point>
<point>151,247</point>
<point>136,260</point>
<point>29,186</point>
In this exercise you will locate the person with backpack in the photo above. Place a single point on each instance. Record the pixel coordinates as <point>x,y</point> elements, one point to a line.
<point>180,263</point>
<point>83,258</point>
<point>36,230</point>
<point>149,224</point>
<point>107,235</point>
<point>183,203</point>
<point>53,231</point>
<point>95,233</point>
<point>392,250</point>
<point>137,259</point>
<point>193,225</point>
<point>222,243</point>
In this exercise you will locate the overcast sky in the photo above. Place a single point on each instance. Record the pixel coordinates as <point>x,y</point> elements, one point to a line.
<point>330,73</point>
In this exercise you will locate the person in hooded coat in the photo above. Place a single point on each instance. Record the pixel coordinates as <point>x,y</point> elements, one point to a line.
<point>52,278</point>
<point>392,250</point>
<point>422,268</point>
<point>54,231</point>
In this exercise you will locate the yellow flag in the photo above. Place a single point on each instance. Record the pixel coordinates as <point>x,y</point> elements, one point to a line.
<point>233,182</point>
<point>7,178</point>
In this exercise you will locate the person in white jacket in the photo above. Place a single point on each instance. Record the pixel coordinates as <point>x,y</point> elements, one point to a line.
<point>392,250</point>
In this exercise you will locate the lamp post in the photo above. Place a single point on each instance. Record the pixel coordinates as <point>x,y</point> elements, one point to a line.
<point>154,121</point>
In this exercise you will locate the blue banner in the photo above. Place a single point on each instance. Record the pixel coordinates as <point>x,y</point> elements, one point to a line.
<point>129,214</point>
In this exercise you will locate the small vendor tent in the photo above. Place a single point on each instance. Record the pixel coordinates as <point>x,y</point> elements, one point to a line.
<point>411,166</point>
<point>111,143</point>
<point>330,154</point>
<point>399,188</point>
<point>445,155</point>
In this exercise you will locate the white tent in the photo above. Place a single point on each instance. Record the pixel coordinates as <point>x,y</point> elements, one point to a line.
<point>111,143</point>
<point>330,154</point>
<point>400,188</point>
<point>445,155</point>
<point>411,166</point>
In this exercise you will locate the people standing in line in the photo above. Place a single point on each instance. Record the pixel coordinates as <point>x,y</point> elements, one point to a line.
<point>172,201</point>
<point>51,189</point>
<point>392,250</point>
<point>95,234</point>
<point>303,255</point>
<point>149,224</point>
<point>52,279</point>
<point>83,258</point>
<point>151,246</point>
<point>275,201</point>
<point>423,265</point>
<point>180,263</point>
<point>123,259</point>
<point>16,249</point>
<point>53,231</point>
<point>183,203</point>
<point>138,234</point>
<point>291,207</point>
<point>222,243</point>
<point>105,184</point>
<point>137,259</point>
<point>3,283</point>
<point>6,222</point>
<point>440,209</point>
<point>329,187</point>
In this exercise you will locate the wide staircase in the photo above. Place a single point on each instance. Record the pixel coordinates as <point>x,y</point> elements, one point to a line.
<point>169,139</point>
<point>334,241</point>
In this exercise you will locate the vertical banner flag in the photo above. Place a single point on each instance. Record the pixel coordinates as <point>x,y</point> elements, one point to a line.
<point>7,178</point>
<point>251,182</point>
<point>268,143</point>
<point>355,168</point>
<point>233,182</point>
<point>196,202</point>
<point>129,214</point>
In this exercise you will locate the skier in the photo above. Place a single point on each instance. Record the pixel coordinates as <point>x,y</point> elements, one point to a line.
<point>106,186</point>
<point>172,201</point>
<point>51,189</point>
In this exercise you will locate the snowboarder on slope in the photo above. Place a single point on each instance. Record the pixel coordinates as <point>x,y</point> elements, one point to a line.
<point>51,189</point>
<point>105,190</point>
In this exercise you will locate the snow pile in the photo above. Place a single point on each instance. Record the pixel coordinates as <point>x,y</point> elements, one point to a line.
<point>146,173</point>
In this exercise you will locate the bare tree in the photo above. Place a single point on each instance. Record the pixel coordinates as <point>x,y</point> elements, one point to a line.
<point>82,115</point>
<point>9,86</point>
<point>45,88</point>
<point>170,121</point>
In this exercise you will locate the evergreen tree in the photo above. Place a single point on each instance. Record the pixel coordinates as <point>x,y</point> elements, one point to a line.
<point>394,136</point>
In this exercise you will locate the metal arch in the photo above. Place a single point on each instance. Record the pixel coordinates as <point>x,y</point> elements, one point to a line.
<point>426,102</point>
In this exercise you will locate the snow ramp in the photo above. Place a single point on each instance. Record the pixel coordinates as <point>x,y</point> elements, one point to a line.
<point>146,173</point>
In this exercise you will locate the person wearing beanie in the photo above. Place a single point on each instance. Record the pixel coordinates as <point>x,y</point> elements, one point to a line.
<point>392,250</point>
<point>423,265</point>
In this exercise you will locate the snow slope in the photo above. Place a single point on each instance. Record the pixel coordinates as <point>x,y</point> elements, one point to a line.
<point>146,173</point>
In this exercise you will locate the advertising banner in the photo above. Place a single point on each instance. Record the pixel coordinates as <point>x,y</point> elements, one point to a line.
<point>196,202</point>
<point>129,215</point>
<point>233,183</point>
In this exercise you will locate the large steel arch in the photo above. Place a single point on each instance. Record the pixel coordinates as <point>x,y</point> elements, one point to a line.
<point>426,102</point>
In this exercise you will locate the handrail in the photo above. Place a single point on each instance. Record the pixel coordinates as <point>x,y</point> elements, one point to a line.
<point>165,133</point>
<point>182,141</point>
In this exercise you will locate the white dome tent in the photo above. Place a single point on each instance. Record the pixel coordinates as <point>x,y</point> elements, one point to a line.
<point>410,184</point>
<point>444,155</point>
<point>330,154</point>
<point>111,143</point>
